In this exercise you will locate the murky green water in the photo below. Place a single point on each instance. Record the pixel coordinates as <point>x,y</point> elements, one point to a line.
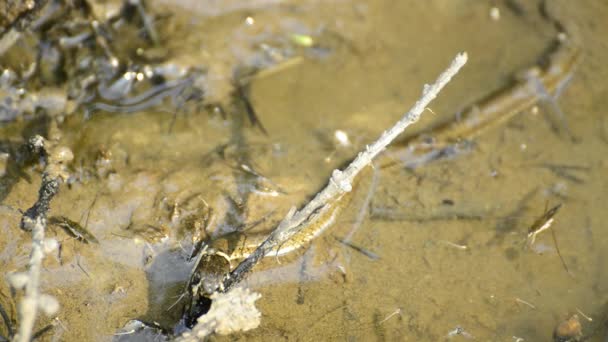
<point>445,243</point>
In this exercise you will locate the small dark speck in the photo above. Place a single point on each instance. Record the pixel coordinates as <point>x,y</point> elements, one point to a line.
<point>447,201</point>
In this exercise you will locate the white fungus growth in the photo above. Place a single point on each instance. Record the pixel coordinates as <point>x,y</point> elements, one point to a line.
<point>230,312</point>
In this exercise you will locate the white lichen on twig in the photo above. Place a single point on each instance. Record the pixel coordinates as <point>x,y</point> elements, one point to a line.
<point>28,306</point>
<point>340,182</point>
<point>230,312</point>
<point>34,220</point>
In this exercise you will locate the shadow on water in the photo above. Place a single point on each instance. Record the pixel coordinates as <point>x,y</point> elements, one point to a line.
<point>167,275</point>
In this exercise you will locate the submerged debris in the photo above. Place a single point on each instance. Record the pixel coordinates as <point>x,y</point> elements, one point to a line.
<point>104,79</point>
<point>359,249</point>
<point>340,182</point>
<point>572,173</point>
<point>452,137</point>
<point>459,331</point>
<point>179,91</point>
<point>136,330</point>
<point>78,55</point>
<point>241,92</point>
<point>542,223</point>
<point>569,330</point>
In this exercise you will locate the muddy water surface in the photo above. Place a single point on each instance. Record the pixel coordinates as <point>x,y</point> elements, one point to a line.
<point>445,252</point>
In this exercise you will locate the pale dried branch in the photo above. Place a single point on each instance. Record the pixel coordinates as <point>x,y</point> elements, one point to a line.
<point>340,182</point>
<point>34,220</point>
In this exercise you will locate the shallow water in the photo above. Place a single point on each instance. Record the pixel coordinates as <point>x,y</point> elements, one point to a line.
<point>434,271</point>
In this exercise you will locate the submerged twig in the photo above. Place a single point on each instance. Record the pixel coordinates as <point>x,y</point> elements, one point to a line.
<point>340,181</point>
<point>242,94</point>
<point>34,220</point>
<point>357,248</point>
<point>521,301</point>
<point>568,172</point>
<point>396,312</point>
<point>584,315</point>
<point>378,213</point>
<point>560,253</point>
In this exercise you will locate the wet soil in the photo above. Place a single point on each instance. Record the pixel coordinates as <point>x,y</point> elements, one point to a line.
<point>451,254</point>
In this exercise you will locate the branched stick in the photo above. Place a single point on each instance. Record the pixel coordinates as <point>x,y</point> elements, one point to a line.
<point>34,220</point>
<point>340,182</point>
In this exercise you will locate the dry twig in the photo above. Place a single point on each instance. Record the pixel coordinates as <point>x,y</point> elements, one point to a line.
<point>340,181</point>
<point>34,220</point>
